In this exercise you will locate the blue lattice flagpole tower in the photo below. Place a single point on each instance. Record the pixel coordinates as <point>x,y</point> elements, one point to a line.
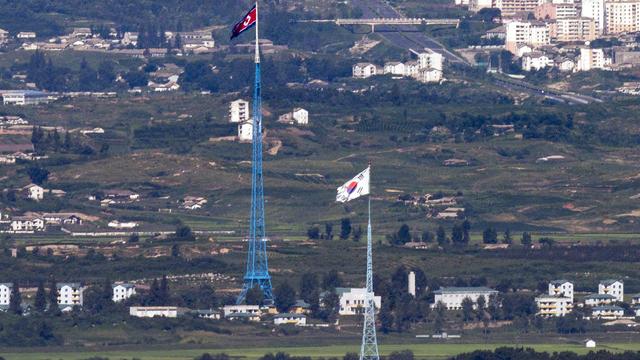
<point>257,272</point>
<point>369,348</point>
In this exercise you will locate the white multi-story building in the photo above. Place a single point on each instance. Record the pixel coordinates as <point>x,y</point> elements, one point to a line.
<point>411,68</point>
<point>429,75</point>
<point>574,29</point>
<point>245,131</point>
<point>33,192</point>
<point>608,312</point>
<point>364,70</point>
<point>430,60</point>
<point>477,5</point>
<point>532,33</point>
<point>511,8</point>
<point>123,291</point>
<point>238,111</point>
<point>5,294</point>
<point>590,59</point>
<point>352,300</point>
<point>562,288</point>
<point>298,116</point>
<point>612,287</point>
<point>535,61</point>
<point>70,294</point>
<point>553,306</point>
<point>452,297</point>
<point>594,9</point>
<point>621,16</point>
<point>394,68</point>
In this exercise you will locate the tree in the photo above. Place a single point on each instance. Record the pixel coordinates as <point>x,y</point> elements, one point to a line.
<point>134,238</point>
<point>254,296</point>
<point>285,297</point>
<point>481,303</point>
<point>351,356</point>
<point>331,280</point>
<point>441,236</point>
<point>506,239</point>
<point>489,236</point>
<point>345,228</point>
<point>427,236</point>
<point>357,234</point>
<point>441,311</point>
<point>386,318</point>
<point>526,239</point>
<point>40,303</point>
<point>164,294</point>
<point>53,296</point>
<point>467,309</point>
<point>136,78</point>
<point>184,233</point>
<point>457,235</point>
<point>313,233</point>
<point>38,175</point>
<point>328,231</point>
<point>403,235</point>
<point>175,250</point>
<point>308,286</point>
<point>15,302</point>
<point>466,227</point>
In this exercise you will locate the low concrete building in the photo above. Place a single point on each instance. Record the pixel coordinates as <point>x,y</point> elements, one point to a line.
<point>245,131</point>
<point>156,311</point>
<point>241,309</point>
<point>290,319</point>
<point>24,97</point>
<point>452,297</point>
<point>607,312</point>
<point>599,299</point>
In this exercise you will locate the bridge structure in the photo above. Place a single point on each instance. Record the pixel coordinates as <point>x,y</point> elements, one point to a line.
<point>399,21</point>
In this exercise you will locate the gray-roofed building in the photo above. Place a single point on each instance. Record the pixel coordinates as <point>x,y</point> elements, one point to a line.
<point>607,312</point>
<point>70,295</point>
<point>599,299</point>
<point>290,319</point>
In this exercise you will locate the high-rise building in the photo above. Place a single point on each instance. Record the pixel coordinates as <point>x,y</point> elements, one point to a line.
<point>239,111</point>
<point>512,7</point>
<point>532,33</point>
<point>621,16</point>
<point>594,9</point>
<point>574,29</point>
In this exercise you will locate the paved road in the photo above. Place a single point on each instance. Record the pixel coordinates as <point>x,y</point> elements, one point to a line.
<point>408,40</point>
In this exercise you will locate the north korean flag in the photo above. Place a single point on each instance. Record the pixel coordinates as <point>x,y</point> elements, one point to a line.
<point>246,23</point>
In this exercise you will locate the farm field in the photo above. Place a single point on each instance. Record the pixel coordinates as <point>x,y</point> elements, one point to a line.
<point>421,351</point>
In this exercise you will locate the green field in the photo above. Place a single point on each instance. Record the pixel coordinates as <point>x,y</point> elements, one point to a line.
<point>421,351</point>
